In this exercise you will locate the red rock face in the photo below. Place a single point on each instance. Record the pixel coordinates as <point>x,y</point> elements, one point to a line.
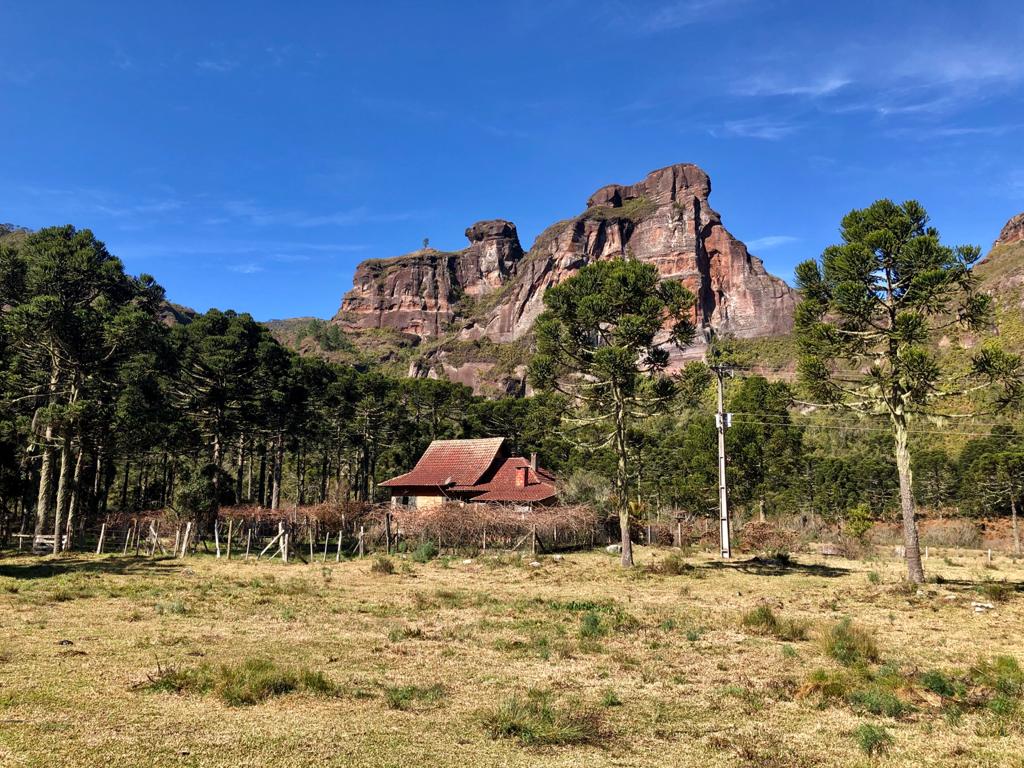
<point>1013,232</point>
<point>664,220</point>
<point>417,293</point>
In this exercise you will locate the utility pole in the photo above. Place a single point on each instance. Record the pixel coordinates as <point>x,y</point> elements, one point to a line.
<point>721,420</point>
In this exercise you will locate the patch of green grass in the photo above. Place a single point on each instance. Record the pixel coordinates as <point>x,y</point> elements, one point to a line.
<point>995,591</point>
<point>536,720</point>
<point>850,644</point>
<point>763,621</point>
<point>591,626</point>
<point>425,552</point>
<point>403,697</point>
<point>610,698</point>
<point>878,700</point>
<point>251,682</point>
<point>397,634</point>
<point>1002,674</point>
<point>873,740</point>
<point>940,683</point>
<point>874,577</point>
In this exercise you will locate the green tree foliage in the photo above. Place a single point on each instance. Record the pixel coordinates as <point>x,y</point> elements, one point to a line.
<point>597,343</point>
<point>867,323</point>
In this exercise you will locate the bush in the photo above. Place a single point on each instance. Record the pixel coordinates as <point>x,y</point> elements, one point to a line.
<point>859,521</point>
<point>873,740</point>
<point>673,564</point>
<point>534,720</point>
<point>425,552</point>
<point>383,565</point>
<point>962,534</point>
<point>849,644</point>
<point>763,620</point>
<point>995,591</point>
<point>766,538</point>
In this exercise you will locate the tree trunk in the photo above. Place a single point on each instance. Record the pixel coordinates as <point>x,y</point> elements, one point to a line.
<point>240,467</point>
<point>915,571</point>
<point>621,480</point>
<point>275,493</point>
<point>63,492</point>
<point>44,509</point>
<point>261,486</point>
<point>1013,522</point>
<point>76,496</point>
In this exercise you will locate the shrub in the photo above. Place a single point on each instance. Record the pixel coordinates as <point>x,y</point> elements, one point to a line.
<point>849,644</point>
<point>383,565</point>
<point>874,577</point>
<point>534,720</point>
<point>962,534</point>
<point>673,564</point>
<point>763,620</point>
<point>995,591</point>
<point>425,552</point>
<point>766,538</point>
<point>873,740</point>
<point>859,521</point>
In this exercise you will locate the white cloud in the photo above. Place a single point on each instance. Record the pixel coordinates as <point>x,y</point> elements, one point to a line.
<point>220,66</point>
<point>782,85</point>
<point>763,127</point>
<point>771,241</point>
<point>248,268</point>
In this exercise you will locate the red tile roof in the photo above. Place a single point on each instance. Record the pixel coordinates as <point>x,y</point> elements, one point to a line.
<point>451,462</point>
<point>540,484</point>
<point>477,470</point>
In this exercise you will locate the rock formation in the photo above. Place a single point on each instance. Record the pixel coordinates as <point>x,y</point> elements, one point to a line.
<point>492,291</point>
<point>418,293</point>
<point>1013,232</point>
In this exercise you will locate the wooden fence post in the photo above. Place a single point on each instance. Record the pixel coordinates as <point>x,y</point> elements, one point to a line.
<point>185,537</point>
<point>337,556</point>
<point>231,525</point>
<point>361,533</point>
<point>216,537</point>
<point>99,545</point>
<point>248,541</point>
<point>533,541</point>
<point>177,540</point>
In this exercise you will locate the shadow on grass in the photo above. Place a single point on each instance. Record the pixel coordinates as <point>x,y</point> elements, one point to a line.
<point>45,567</point>
<point>770,566</point>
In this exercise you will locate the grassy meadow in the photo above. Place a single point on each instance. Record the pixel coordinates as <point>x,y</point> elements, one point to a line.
<point>494,661</point>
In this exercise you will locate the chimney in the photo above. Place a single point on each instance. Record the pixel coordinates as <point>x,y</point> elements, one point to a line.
<point>533,462</point>
<point>521,476</point>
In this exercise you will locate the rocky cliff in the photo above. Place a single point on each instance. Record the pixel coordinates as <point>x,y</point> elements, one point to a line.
<point>1013,232</point>
<point>492,291</point>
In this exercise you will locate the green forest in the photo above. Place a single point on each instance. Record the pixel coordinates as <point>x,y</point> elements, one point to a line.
<point>111,406</point>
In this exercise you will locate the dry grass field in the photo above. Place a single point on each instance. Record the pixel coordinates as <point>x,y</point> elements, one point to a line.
<point>122,661</point>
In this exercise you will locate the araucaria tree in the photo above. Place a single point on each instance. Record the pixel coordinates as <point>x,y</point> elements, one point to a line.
<point>603,341</point>
<point>872,312</point>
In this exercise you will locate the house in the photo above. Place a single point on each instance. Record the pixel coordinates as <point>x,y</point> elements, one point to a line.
<point>475,471</point>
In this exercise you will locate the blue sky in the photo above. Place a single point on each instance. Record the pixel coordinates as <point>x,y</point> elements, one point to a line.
<point>249,155</point>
